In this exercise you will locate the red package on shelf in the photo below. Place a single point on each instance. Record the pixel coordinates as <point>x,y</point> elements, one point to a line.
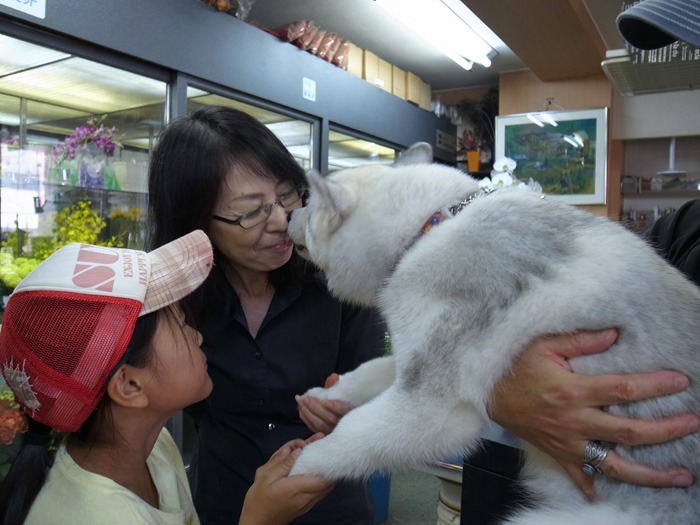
<point>340,58</point>
<point>316,42</point>
<point>326,45</point>
<point>292,31</point>
<point>304,41</point>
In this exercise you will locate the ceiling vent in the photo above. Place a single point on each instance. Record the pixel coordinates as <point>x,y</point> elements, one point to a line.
<point>673,68</point>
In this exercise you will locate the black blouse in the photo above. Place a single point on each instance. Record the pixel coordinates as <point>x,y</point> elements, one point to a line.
<point>251,412</point>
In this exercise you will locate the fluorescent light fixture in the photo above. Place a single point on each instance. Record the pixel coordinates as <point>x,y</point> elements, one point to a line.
<point>535,120</point>
<point>447,25</point>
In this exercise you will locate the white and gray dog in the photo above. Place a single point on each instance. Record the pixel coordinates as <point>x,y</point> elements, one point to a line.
<point>462,300</point>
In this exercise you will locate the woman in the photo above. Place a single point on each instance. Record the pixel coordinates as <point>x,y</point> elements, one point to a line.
<point>271,330</point>
<point>94,344</point>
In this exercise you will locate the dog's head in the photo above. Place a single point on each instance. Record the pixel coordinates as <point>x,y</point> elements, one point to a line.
<point>357,221</point>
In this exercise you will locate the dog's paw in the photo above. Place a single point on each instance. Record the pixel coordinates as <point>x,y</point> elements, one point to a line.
<point>319,392</point>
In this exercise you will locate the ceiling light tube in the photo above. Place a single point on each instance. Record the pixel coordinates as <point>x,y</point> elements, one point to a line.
<point>438,24</point>
<point>535,120</point>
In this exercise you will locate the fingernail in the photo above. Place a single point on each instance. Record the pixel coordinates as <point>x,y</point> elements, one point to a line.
<point>296,452</point>
<point>682,480</point>
<point>694,425</point>
<point>681,382</point>
<point>297,398</point>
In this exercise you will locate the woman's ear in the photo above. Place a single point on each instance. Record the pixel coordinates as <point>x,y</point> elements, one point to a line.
<point>126,387</point>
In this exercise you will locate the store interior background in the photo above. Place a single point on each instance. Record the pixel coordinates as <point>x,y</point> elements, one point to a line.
<point>143,63</point>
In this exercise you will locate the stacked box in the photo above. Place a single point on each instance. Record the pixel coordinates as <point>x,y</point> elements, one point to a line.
<point>377,71</point>
<point>398,82</point>
<point>355,60</point>
<point>413,88</point>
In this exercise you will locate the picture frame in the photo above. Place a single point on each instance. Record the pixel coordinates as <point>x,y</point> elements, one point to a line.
<point>565,153</point>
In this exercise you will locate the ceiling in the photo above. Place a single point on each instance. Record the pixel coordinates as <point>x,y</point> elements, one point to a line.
<point>556,39</point>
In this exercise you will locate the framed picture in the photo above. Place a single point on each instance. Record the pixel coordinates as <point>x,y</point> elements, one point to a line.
<point>565,151</point>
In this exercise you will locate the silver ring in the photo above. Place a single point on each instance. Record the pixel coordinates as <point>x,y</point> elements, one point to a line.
<point>593,457</point>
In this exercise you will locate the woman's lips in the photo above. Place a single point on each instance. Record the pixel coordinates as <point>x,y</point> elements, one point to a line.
<point>282,245</point>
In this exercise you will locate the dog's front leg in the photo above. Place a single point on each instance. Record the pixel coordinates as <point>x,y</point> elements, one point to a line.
<point>362,384</point>
<point>394,431</point>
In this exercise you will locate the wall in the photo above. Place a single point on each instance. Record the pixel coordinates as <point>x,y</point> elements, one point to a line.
<point>656,115</point>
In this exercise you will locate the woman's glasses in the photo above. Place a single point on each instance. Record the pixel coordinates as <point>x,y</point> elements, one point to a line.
<point>260,215</point>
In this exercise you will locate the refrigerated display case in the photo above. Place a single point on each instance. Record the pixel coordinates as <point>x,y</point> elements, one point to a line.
<point>46,94</point>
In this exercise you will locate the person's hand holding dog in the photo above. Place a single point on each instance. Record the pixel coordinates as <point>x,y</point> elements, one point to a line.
<point>559,412</point>
<point>294,495</point>
<point>322,415</point>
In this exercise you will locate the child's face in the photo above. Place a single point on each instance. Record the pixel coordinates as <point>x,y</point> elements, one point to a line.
<point>179,365</point>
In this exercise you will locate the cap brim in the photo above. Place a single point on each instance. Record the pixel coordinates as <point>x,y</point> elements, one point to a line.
<point>177,269</point>
<point>652,24</point>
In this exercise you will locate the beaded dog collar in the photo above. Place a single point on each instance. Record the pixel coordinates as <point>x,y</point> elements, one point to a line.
<point>447,212</point>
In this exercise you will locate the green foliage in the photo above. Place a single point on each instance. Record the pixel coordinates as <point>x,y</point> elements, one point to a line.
<point>14,269</point>
<point>76,223</point>
<point>482,114</point>
<point>15,241</point>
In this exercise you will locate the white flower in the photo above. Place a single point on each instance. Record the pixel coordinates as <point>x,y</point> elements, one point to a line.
<point>501,179</point>
<point>505,164</point>
<point>486,184</point>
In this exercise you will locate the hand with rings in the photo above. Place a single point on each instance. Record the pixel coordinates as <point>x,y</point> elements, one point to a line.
<point>543,402</point>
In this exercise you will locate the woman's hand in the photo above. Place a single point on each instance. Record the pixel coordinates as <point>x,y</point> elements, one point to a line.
<point>322,415</point>
<point>276,499</point>
<point>545,403</point>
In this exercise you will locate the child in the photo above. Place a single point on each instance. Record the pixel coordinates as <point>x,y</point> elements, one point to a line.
<point>95,344</point>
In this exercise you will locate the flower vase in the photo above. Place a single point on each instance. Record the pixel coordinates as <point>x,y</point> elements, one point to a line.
<point>64,173</point>
<point>473,161</point>
<point>91,170</point>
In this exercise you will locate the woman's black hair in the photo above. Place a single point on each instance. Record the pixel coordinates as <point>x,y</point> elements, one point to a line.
<point>189,165</point>
<point>28,472</point>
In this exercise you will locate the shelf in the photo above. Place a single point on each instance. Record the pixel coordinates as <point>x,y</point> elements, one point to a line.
<point>683,194</point>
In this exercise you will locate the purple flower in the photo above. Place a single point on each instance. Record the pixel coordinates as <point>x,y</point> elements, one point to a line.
<point>93,132</point>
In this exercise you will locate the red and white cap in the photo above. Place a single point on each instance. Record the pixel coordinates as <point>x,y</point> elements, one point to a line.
<point>68,323</point>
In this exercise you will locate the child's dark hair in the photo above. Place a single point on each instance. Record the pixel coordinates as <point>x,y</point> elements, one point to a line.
<point>28,473</point>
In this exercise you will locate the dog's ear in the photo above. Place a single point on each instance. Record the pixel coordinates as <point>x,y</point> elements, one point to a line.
<point>418,153</point>
<point>336,199</point>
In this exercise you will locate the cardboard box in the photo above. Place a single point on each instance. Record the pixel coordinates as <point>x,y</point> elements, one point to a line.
<point>376,71</point>
<point>355,60</point>
<point>425,96</point>
<point>413,88</point>
<point>384,76</point>
<point>370,66</point>
<point>398,82</point>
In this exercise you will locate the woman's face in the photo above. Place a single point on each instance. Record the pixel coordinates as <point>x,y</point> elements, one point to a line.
<point>263,247</point>
<point>179,365</point>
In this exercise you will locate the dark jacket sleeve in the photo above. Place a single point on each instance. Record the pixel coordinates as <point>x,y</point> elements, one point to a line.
<point>676,237</point>
<point>362,337</point>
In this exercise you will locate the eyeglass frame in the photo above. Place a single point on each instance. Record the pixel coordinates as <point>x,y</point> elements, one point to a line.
<point>301,193</point>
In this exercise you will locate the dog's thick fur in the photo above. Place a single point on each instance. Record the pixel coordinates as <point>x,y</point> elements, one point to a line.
<point>465,298</point>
